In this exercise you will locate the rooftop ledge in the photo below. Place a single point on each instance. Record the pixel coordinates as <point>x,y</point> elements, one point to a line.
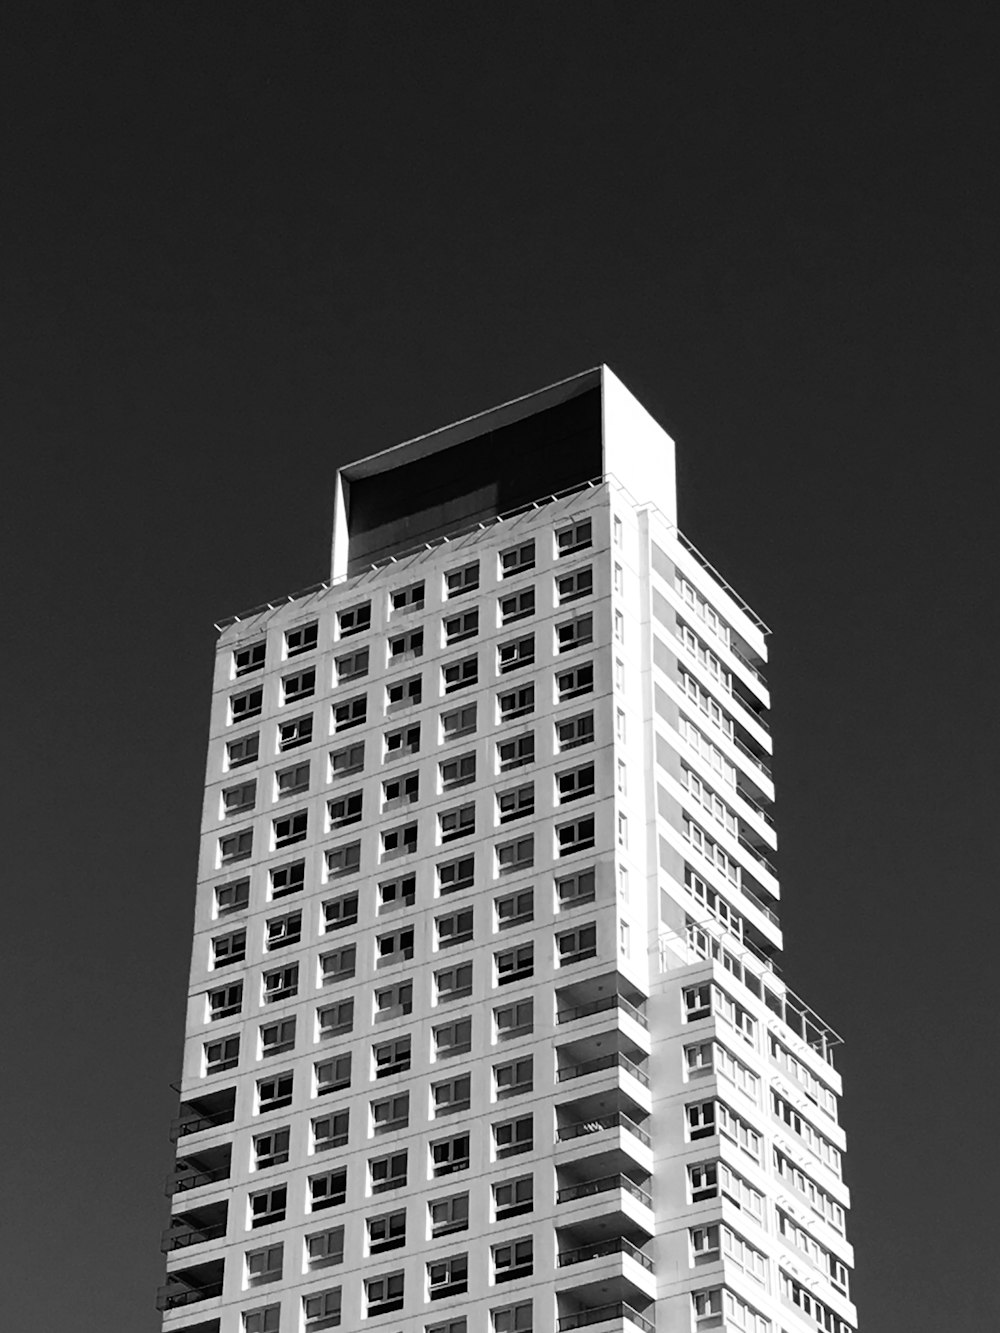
<point>529,507</point>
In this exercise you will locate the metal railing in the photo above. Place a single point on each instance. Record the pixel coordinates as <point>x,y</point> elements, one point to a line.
<point>181,1240</point>
<point>600,1006</point>
<point>172,1297</point>
<point>585,1189</point>
<point>601,1250</point>
<point>601,1314</point>
<point>754,670</point>
<point>610,1061</point>
<point>181,1126</point>
<point>579,1128</point>
<point>754,758</point>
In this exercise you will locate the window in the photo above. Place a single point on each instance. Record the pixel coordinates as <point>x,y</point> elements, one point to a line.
<point>291,781</point>
<point>221,1055</point>
<point>455,928</point>
<point>387,1173</point>
<point>514,909</point>
<point>390,1113</point>
<point>400,892</point>
<point>244,750</point>
<point>249,658</point>
<point>263,1265</point>
<point>698,1058</point>
<point>350,759</point>
<point>516,703</point>
<point>517,606</point>
<point>352,666</point>
<point>229,949</point>
<point>410,598</point>
<point>513,1137</point>
<point>301,685</point>
<point>225,1002</point>
<point>452,983</point>
<point>463,626</point>
<point>406,647</point>
<point>245,705</point>
<point>262,1321</point>
<point>234,896</point>
<point>238,800</point>
<point>514,856</point>
<point>404,741</point>
<point>394,1001</point>
<point>571,587</point>
<point>343,860</point>
<point>276,1038</point>
<point>574,731</point>
<point>463,579</point>
<point>577,836</point>
<point>619,630</point>
<point>448,1277</point>
<point>330,1131</point>
<point>327,1190</point>
<point>334,1019</point>
<point>621,777</point>
<point>697,1002</point>
<point>273,1093</point>
<point>517,559</point>
<point>616,530</point>
<point>516,753</point>
<point>448,1215</point>
<point>513,1079</point>
<point>386,1232</point>
<point>703,1181</point>
<point>455,875</point>
<point>458,675</point>
<point>574,633</point>
<point>355,620</point>
<point>516,653</point>
<point>332,1075</point>
<point>290,829</point>
<point>450,1155</point>
<point>398,793</point>
<point>325,1248</point>
<point>574,890</point>
<point>338,965</point>
<point>516,803</point>
<point>574,682</point>
<point>270,1149</point>
<point>351,713</point>
<point>513,1261</point>
<point>457,772</point>
<point>394,947</point>
<point>574,783</point>
<point>340,912</point>
<point>454,1094</point>
<point>454,1038</point>
<point>344,810</point>
<point>575,537</point>
<point>619,579</point>
<point>280,931</point>
<point>236,847</point>
<point>700,1120</point>
<point>403,694</point>
<point>459,823</point>
<point>298,731</point>
<point>621,826</point>
<point>513,1020</point>
<point>512,1318</point>
<point>321,1310</point>
<point>268,1206</point>
<point>514,964</point>
<point>281,984</point>
<point>302,639</point>
<point>391,1057</point>
<point>383,1294</point>
<point>576,946</point>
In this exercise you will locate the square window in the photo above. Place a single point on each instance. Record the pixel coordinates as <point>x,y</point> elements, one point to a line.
<point>270,1149</point>
<point>394,1001</point>
<point>291,781</point>
<point>268,1206</point>
<point>575,633</point>
<point>383,1295</point>
<point>289,829</point>
<point>233,896</point>
<point>460,675</point>
<point>448,1277</point>
<point>450,1039</point>
<point>403,694</point>
<point>332,1075</point>
<point>572,784</point>
<point>390,1113</point>
<point>514,964</point>
<point>333,1020</point>
<point>351,666</point>
<point>460,722</point>
<point>513,1261</point>
<point>243,750</point>
<point>517,559</point>
<point>515,803</point>
<point>457,772</point>
<point>398,841</point>
<point>576,946</point>
<point>301,685</point>
<point>351,713</point>
<point>512,1318</point>
<point>513,1137</point>
<point>453,983</point>
<point>410,598</point>
<point>449,1155</point>
<point>517,606</point>
<point>391,1057</point>
<point>281,984</point>
<point>321,1310</point>
<point>225,1002</point>
<point>457,823</point>
<point>406,647</point>
<point>463,579</point>
<point>512,1079</point>
<point>516,753</point>
<point>294,733</point>
<point>302,639</point>
<point>402,742</point>
<point>273,1094</point>
<point>325,1248</point>
<point>238,800</point>
<point>245,705</point>
<point>572,732</point>
<point>448,1215</point>
<point>514,856</point>
<point>229,949</point>
<point>455,928</point>
<point>386,1232</point>
<point>221,1055</point>
<point>463,626</point>
<point>393,893</point>
<point>280,931</point>
<point>453,876</point>
<point>287,879</point>
<point>328,1190</point>
<point>514,909</point>
<point>577,836</point>
<point>262,1321</point>
<point>575,890</point>
<point>276,1038</point>
<point>249,658</point>
<point>575,537</point>
<point>343,860</point>
<point>398,793</point>
<point>396,946</point>
<point>387,1173</point>
<point>574,585</point>
<point>451,1096</point>
<point>348,759</point>
<point>355,620</point>
<point>341,912</point>
<point>236,847</point>
<point>574,682</point>
<point>514,1020</point>
<point>344,810</point>
<point>338,965</point>
<point>515,654</point>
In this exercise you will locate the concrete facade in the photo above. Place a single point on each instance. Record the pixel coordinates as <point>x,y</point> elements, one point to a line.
<point>486,1031</point>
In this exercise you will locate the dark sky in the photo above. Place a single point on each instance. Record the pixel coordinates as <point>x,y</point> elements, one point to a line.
<point>242,243</point>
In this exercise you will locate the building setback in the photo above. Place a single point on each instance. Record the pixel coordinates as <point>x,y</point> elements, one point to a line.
<point>486,1031</point>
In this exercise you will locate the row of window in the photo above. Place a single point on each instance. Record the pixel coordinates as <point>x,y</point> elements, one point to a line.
<point>382,1295</point>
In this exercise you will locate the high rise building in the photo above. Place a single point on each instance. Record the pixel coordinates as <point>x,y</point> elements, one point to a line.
<point>486,1031</point>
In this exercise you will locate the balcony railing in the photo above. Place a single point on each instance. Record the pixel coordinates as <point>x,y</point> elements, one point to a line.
<point>754,758</point>
<point>617,1119</point>
<point>610,1061</point>
<point>600,1006</point>
<point>180,1240</point>
<point>184,1125</point>
<point>180,1184</point>
<point>616,1245</point>
<point>757,856</point>
<point>602,1314</point>
<point>585,1189</point>
<point>172,1297</point>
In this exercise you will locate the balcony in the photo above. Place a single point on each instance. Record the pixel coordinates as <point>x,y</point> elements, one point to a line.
<point>194,1227</point>
<point>607,1192</point>
<point>204,1113</point>
<point>614,1120</point>
<point>186,1286</point>
<point>200,1168</point>
<point>585,1189</point>
<point>609,1267</point>
<point>605,1058</point>
<point>597,995</point>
